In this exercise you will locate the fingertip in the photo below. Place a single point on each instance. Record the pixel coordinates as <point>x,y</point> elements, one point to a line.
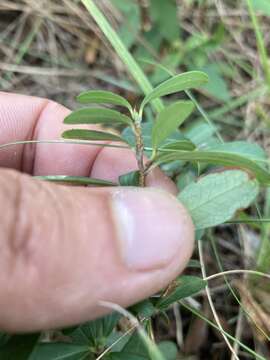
<point>153,228</point>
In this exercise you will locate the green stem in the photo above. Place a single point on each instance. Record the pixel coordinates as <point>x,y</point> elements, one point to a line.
<point>260,42</point>
<point>263,259</point>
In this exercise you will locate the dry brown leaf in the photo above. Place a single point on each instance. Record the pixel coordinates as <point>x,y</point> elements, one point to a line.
<point>91,51</point>
<point>255,310</point>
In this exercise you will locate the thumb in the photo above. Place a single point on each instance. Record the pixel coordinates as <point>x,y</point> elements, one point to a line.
<point>64,249</point>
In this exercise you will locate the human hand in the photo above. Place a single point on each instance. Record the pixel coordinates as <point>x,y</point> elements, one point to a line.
<point>65,249</point>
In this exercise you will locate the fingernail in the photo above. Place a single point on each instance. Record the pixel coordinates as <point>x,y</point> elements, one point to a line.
<point>152,228</point>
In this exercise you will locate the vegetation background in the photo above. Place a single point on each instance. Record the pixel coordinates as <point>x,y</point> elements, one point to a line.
<point>54,49</point>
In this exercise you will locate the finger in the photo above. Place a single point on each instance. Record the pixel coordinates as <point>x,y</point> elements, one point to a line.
<point>65,249</point>
<point>111,163</point>
<point>26,118</point>
<point>30,118</point>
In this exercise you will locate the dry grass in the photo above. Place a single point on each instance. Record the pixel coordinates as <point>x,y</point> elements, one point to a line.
<point>53,49</point>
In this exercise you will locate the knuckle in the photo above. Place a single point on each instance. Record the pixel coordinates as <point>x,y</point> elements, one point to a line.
<point>16,228</point>
<point>23,224</point>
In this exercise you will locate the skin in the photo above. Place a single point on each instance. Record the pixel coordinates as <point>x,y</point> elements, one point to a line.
<point>61,250</point>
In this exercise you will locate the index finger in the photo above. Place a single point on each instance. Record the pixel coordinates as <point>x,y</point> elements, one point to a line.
<point>31,118</point>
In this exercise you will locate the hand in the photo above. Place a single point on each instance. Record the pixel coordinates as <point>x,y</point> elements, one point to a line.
<point>65,249</point>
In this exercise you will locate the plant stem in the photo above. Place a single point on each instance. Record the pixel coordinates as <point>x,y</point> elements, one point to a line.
<point>263,258</point>
<point>260,42</point>
<point>139,152</point>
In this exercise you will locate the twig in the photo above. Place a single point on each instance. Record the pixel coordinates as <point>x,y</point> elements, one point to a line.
<point>252,272</point>
<point>238,332</point>
<point>139,152</point>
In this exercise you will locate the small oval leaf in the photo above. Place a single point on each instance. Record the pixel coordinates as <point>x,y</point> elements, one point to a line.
<point>215,198</point>
<point>75,180</point>
<point>102,97</point>
<point>96,116</point>
<point>184,287</point>
<point>185,81</point>
<point>184,144</point>
<point>169,120</point>
<point>93,333</point>
<point>130,179</point>
<point>93,135</point>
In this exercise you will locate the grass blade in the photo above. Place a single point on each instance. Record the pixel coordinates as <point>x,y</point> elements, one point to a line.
<point>260,42</point>
<point>122,51</point>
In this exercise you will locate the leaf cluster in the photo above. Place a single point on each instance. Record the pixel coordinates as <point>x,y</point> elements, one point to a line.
<point>243,164</point>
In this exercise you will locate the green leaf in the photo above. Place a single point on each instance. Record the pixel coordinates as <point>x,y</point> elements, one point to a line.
<point>193,263</point>
<point>93,135</point>
<point>19,347</point>
<point>168,350</point>
<point>4,338</point>
<point>130,21</point>
<point>262,5</point>
<point>185,81</point>
<point>96,116</point>
<point>94,334</point>
<point>250,150</point>
<point>217,86</point>
<point>129,136</point>
<point>143,309</point>
<point>184,286</point>
<point>130,179</point>
<point>184,144</point>
<point>102,97</point>
<point>76,180</point>
<point>185,178</point>
<point>164,14</point>
<point>219,158</point>
<point>169,119</point>
<point>59,351</point>
<point>199,234</point>
<point>200,133</point>
<point>215,198</point>
<point>135,349</point>
<point>117,341</point>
